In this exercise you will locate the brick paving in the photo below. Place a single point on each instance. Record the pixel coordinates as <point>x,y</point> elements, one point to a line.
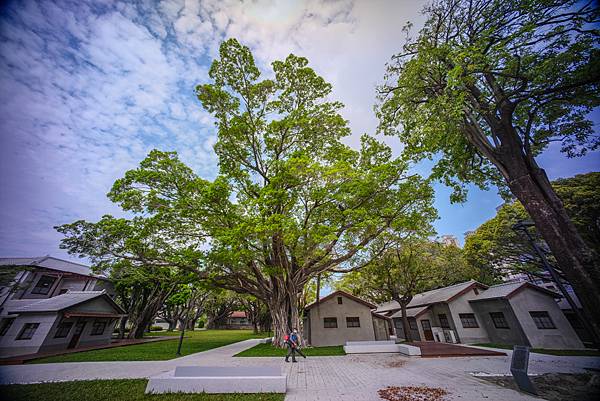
<point>333,378</point>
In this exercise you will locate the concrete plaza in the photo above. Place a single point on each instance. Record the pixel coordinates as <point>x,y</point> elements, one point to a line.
<point>333,378</point>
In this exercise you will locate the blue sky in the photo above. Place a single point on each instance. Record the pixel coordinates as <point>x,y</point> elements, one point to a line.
<point>87,89</point>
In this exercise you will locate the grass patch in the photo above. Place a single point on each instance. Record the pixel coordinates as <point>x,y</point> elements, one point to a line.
<point>112,390</point>
<point>557,352</point>
<point>194,341</point>
<point>269,350</point>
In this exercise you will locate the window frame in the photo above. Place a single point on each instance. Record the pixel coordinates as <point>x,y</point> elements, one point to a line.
<point>6,324</point>
<point>468,320</point>
<point>348,325</point>
<point>58,332</point>
<point>29,328</point>
<point>496,316</point>
<point>412,326</point>
<point>327,323</point>
<point>445,318</point>
<point>543,322</point>
<point>38,290</point>
<point>98,323</point>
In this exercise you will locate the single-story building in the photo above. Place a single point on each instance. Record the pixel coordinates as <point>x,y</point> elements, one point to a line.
<point>72,319</point>
<point>341,317</point>
<point>511,313</point>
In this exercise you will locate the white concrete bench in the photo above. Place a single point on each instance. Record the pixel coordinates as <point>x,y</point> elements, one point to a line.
<point>409,350</point>
<point>214,379</point>
<point>267,340</point>
<point>367,347</point>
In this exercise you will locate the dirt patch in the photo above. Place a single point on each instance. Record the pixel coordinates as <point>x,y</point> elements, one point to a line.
<point>559,386</point>
<point>409,393</point>
<point>395,364</point>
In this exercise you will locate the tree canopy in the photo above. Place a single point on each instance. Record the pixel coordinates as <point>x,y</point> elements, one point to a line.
<point>291,201</point>
<point>496,249</point>
<point>483,88</point>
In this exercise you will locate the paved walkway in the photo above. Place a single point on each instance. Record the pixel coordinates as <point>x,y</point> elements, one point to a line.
<point>342,378</point>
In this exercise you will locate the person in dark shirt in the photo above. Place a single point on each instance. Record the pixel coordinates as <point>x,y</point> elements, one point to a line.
<point>293,344</point>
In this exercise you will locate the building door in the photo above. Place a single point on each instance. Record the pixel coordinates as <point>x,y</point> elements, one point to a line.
<point>79,326</point>
<point>427,330</point>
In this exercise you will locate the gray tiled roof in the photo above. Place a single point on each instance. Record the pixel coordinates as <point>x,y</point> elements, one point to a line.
<point>429,297</point>
<point>57,303</point>
<point>505,289</point>
<point>410,312</point>
<point>50,262</point>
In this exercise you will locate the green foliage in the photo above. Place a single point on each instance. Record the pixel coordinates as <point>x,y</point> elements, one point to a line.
<point>486,82</point>
<point>122,390</point>
<point>413,266</point>
<point>495,248</point>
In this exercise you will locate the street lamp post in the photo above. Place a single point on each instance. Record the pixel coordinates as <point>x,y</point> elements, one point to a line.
<point>523,226</point>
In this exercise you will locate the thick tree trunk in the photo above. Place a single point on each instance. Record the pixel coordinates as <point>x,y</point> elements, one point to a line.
<point>172,325</point>
<point>576,260</point>
<point>279,316</point>
<point>122,326</point>
<point>405,324</point>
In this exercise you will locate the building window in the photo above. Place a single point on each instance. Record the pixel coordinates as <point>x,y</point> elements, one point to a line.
<point>339,299</point>
<point>542,320</point>
<point>330,322</point>
<point>63,329</point>
<point>476,291</point>
<point>398,324</point>
<point>27,331</point>
<point>98,328</point>
<point>444,321</point>
<point>352,322</point>
<point>499,320</point>
<point>468,320</point>
<point>413,324</point>
<point>43,285</point>
<point>5,325</point>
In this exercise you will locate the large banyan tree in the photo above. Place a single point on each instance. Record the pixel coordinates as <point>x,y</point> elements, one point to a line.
<point>291,200</point>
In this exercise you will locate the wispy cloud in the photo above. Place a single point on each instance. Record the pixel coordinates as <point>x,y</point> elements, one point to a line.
<point>87,88</point>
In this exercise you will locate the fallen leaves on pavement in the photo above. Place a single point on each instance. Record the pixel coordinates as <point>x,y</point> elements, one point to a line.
<point>410,393</point>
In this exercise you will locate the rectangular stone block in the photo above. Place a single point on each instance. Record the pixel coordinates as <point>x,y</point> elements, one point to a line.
<point>409,350</point>
<point>368,347</point>
<point>217,379</point>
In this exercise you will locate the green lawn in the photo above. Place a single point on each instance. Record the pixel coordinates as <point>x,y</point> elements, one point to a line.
<point>269,350</point>
<point>194,341</point>
<point>113,390</point>
<point>558,352</point>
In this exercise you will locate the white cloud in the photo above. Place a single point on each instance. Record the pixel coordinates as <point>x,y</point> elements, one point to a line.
<point>88,88</point>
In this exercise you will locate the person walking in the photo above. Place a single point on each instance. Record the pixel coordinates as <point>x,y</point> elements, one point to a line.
<point>293,344</point>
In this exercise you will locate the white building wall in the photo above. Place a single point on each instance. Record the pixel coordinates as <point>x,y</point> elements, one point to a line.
<point>10,346</point>
<point>467,335</point>
<point>321,336</point>
<point>562,337</point>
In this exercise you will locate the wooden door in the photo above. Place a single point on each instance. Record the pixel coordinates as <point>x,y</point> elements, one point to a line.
<point>79,326</point>
<point>427,330</point>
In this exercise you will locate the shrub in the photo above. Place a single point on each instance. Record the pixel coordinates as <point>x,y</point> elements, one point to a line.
<point>156,328</point>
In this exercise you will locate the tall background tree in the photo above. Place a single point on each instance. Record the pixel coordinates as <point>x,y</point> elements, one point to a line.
<point>291,201</point>
<point>488,85</point>
<point>496,249</point>
<point>137,256</point>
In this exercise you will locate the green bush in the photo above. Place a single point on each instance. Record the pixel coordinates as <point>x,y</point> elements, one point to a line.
<point>201,323</point>
<point>156,328</point>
